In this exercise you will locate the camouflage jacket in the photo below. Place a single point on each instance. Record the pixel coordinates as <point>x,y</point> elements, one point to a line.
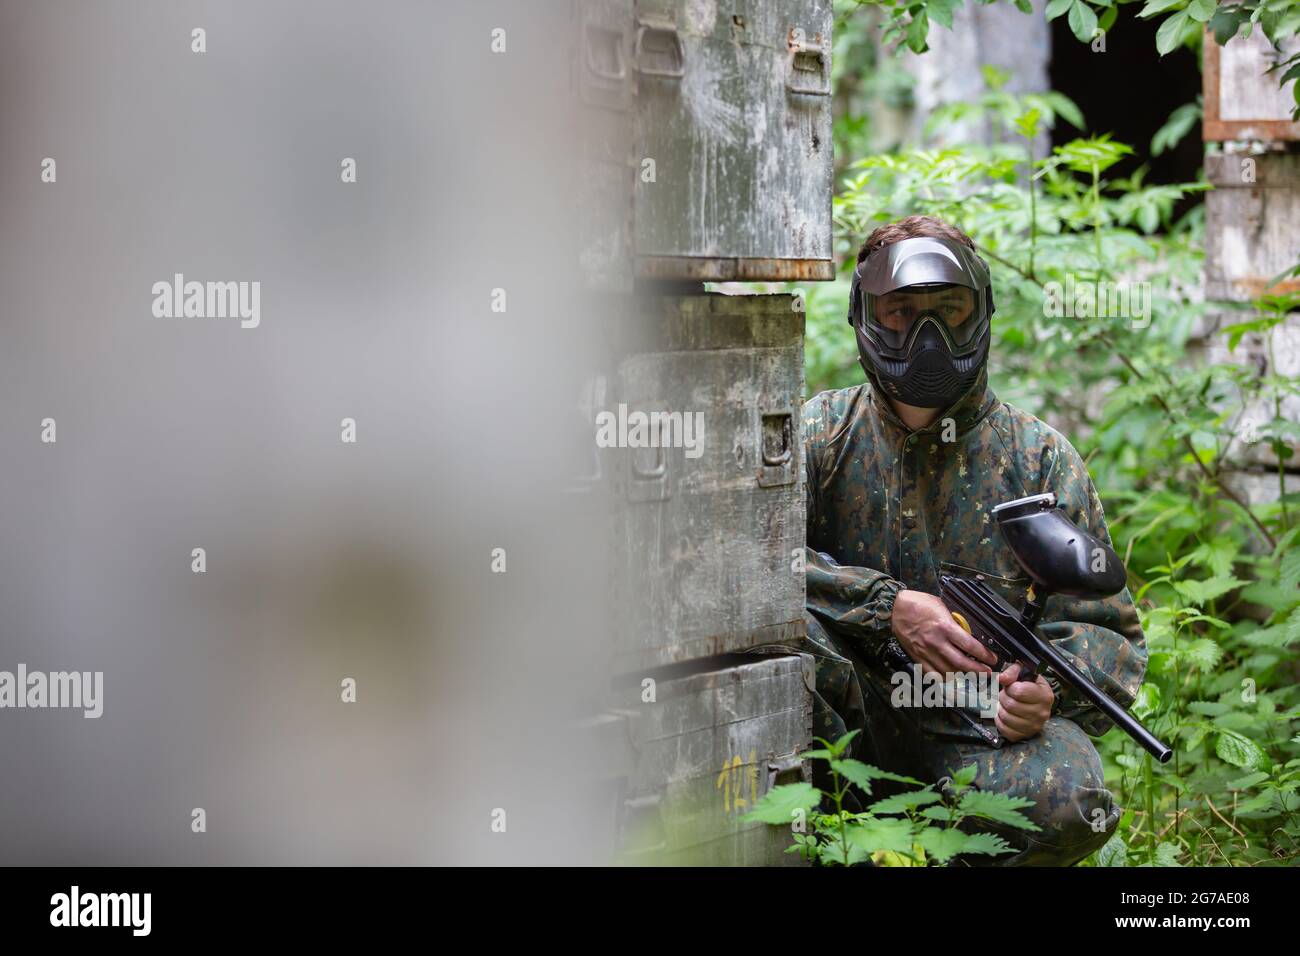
<point>889,507</point>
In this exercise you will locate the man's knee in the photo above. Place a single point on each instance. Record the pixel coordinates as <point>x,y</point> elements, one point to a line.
<point>1060,772</point>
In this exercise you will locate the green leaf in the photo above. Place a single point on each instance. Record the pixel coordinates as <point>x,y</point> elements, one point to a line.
<point>1239,750</point>
<point>1056,7</point>
<point>1226,22</point>
<point>902,802</point>
<point>1179,124</point>
<point>1157,6</point>
<point>875,834</point>
<point>965,776</point>
<point>994,77</point>
<point>917,31</point>
<point>1171,32</point>
<point>1201,10</point>
<point>818,755</point>
<point>988,844</point>
<point>1277,597</point>
<point>942,10</point>
<point>856,770</point>
<point>1248,781</point>
<point>1065,108</point>
<point>838,747</point>
<point>1147,701</point>
<point>779,805</point>
<point>1167,855</point>
<point>1202,593</point>
<point>1026,123</point>
<point>1113,853</point>
<point>997,806</point>
<point>1203,653</point>
<point>1083,22</point>
<point>943,845</point>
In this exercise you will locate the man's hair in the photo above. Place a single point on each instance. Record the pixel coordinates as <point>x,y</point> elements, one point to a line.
<point>911,228</point>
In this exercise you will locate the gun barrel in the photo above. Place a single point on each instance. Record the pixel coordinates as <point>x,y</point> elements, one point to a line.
<point>1126,721</point>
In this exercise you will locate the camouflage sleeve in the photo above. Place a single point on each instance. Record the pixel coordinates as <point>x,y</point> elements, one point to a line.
<point>1103,639</point>
<point>856,602</point>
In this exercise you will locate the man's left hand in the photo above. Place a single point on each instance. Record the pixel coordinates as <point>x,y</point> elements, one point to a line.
<point>1023,706</point>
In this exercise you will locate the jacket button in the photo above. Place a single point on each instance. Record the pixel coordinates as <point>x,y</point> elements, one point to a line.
<point>909,523</point>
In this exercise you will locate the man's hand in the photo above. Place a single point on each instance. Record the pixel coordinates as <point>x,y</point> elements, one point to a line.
<point>924,626</point>
<point>1023,707</point>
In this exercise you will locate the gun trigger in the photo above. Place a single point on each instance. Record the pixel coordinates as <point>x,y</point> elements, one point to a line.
<point>961,622</point>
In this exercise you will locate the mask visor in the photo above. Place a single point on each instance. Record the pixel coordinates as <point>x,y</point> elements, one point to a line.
<point>890,320</point>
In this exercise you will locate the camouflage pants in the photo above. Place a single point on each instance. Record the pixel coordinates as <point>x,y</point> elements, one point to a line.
<point>1058,769</point>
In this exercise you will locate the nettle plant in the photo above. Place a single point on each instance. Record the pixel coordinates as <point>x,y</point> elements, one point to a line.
<point>914,828</point>
<point>1163,412</point>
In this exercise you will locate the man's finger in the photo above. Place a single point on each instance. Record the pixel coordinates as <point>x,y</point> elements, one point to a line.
<point>962,649</point>
<point>975,649</point>
<point>1022,726</point>
<point>1029,693</point>
<point>959,663</point>
<point>966,641</point>
<point>1006,729</point>
<point>1034,716</point>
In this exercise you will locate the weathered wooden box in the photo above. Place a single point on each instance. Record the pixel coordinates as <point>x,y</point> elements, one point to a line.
<point>733,139</point>
<point>706,538</point>
<point>1251,238</point>
<point>1242,100</point>
<point>1252,224</point>
<point>717,736</point>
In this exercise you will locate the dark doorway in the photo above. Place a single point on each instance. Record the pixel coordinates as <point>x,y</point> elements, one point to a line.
<point>1129,91</point>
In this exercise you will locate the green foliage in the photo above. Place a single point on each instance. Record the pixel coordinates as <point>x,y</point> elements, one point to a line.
<point>917,827</point>
<point>907,23</point>
<point>1180,123</point>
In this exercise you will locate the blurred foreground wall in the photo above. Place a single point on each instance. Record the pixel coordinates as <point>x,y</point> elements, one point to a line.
<point>349,456</point>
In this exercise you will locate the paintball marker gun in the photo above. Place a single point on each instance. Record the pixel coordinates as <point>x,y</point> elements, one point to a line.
<point>1060,558</point>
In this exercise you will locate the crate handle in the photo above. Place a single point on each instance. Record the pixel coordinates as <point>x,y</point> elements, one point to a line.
<point>659,32</point>
<point>808,62</point>
<point>657,471</point>
<point>590,34</point>
<point>781,426</point>
<point>780,766</point>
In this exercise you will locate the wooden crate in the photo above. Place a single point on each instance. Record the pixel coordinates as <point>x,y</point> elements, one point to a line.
<point>1252,223</point>
<point>1242,102</point>
<point>733,106</point>
<point>718,736</point>
<point>704,548</point>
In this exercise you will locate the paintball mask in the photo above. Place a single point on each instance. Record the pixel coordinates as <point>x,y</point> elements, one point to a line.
<point>921,309</point>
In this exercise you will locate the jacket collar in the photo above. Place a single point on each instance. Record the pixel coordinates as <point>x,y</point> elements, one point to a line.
<point>968,411</point>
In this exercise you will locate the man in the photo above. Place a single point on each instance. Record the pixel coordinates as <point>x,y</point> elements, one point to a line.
<point>902,474</point>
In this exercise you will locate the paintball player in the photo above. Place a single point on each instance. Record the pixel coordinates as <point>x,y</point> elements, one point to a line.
<point>902,473</point>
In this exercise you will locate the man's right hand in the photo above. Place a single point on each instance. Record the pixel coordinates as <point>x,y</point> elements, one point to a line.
<point>924,626</point>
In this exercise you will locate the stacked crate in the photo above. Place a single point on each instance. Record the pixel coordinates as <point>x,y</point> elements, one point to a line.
<point>705,559</point>
<point>729,165</point>
<point>1252,229</point>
